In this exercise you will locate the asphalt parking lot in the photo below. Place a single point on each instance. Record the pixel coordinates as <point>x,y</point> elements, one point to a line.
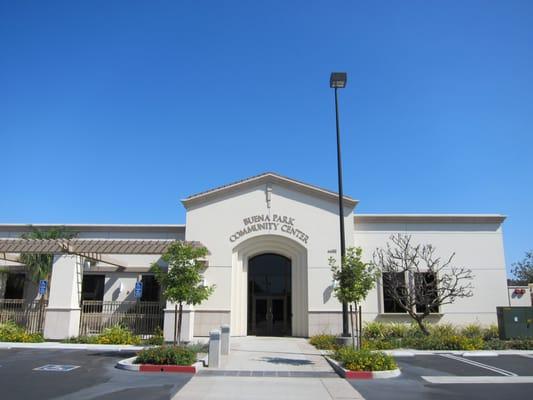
<point>94,378</point>
<point>447,376</point>
<point>92,375</point>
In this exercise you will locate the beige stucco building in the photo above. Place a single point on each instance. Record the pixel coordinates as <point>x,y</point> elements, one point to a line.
<point>269,239</point>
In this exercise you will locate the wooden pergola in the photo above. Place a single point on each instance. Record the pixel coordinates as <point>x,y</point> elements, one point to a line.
<point>97,250</point>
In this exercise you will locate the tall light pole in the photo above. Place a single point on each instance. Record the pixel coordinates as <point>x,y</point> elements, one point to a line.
<point>338,80</point>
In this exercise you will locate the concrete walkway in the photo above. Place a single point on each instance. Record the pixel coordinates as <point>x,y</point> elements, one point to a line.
<point>269,368</point>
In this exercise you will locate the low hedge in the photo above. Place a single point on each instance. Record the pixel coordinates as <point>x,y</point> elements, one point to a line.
<point>11,332</point>
<point>364,360</point>
<point>388,336</point>
<point>166,355</point>
<point>323,341</point>
<point>117,334</point>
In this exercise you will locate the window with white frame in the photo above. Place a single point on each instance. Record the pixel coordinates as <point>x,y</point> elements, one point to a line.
<point>397,286</point>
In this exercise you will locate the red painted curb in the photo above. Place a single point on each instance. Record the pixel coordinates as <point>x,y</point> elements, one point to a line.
<point>189,369</point>
<point>359,375</point>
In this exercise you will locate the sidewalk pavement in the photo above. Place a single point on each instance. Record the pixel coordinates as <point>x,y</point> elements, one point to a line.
<point>269,368</point>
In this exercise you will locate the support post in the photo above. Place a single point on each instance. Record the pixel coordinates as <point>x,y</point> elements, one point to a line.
<point>62,319</point>
<point>225,340</point>
<point>214,349</point>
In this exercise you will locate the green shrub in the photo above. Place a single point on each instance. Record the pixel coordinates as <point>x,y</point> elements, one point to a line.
<point>81,339</point>
<point>156,339</point>
<point>495,344</point>
<point>198,347</point>
<point>364,360</point>
<point>472,331</point>
<point>117,335</point>
<point>446,342</point>
<point>11,332</point>
<point>521,344</point>
<point>383,344</point>
<point>491,332</point>
<point>323,341</point>
<point>166,355</point>
<point>374,330</point>
<point>380,330</point>
<point>445,330</point>
<point>383,336</point>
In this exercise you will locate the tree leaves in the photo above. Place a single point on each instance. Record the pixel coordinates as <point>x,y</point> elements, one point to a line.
<point>355,278</point>
<point>183,281</point>
<point>39,266</point>
<point>523,270</point>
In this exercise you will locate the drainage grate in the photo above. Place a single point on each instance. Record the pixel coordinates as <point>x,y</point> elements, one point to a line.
<point>280,374</point>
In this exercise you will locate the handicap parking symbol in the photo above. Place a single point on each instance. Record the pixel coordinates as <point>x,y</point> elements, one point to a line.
<point>56,368</point>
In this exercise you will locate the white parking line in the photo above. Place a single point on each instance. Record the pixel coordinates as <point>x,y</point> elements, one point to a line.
<point>441,380</point>
<point>480,365</point>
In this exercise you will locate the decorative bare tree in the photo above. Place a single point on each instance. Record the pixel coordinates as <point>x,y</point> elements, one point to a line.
<point>417,280</point>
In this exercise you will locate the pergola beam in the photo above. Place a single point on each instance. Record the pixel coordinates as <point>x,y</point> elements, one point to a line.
<point>78,246</point>
<point>92,249</point>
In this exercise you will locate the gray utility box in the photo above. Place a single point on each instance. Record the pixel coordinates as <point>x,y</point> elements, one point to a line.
<point>515,322</point>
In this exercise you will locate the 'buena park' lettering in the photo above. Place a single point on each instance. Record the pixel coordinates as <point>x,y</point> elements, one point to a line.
<point>263,222</point>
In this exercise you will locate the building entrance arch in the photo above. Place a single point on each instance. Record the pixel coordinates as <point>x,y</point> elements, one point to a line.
<point>282,254</point>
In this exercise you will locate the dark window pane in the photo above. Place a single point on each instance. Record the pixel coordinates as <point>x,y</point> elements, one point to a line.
<point>92,287</point>
<point>393,287</point>
<point>269,274</point>
<point>15,286</point>
<point>426,292</point>
<point>151,288</point>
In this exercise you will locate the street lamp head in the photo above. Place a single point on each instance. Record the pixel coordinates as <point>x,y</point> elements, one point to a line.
<point>338,80</point>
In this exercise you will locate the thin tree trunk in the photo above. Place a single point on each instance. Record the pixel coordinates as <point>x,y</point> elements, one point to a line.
<point>360,327</point>
<point>356,326</point>
<point>179,323</point>
<point>175,323</point>
<point>421,326</point>
<point>351,322</point>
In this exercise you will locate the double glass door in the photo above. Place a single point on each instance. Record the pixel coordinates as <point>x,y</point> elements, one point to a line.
<point>270,316</point>
<point>269,295</point>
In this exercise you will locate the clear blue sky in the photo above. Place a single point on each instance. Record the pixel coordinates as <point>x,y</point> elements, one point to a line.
<point>112,111</point>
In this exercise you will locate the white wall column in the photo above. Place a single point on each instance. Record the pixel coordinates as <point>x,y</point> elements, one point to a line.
<point>63,312</point>
<point>187,323</point>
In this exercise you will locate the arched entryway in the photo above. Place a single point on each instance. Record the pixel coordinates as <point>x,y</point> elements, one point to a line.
<point>277,245</point>
<point>269,295</point>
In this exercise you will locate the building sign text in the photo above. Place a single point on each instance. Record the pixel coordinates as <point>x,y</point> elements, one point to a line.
<point>275,222</point>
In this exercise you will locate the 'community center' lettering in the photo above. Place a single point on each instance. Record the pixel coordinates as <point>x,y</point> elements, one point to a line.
<point>263,222</point>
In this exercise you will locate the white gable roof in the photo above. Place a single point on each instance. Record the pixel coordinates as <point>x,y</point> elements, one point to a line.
<point>267,177</point>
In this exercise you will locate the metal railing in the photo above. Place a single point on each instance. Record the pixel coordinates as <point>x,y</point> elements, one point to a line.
<point>28,314</point>
<point>141,317</point>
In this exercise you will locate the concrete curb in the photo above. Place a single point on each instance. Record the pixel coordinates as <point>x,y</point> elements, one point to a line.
<point>71,346</point>
<point>464,353</point>
<point>347,374</point>
<point>128,365</point>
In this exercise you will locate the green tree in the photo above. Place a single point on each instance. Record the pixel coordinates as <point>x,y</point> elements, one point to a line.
<point>182,281</point>
<point>39,265</point>
<point>353,280</point>
<point>523,270</point>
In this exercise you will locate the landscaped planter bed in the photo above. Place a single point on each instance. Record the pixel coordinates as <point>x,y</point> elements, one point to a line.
<point>129,365</point>
<point>347,374</point>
